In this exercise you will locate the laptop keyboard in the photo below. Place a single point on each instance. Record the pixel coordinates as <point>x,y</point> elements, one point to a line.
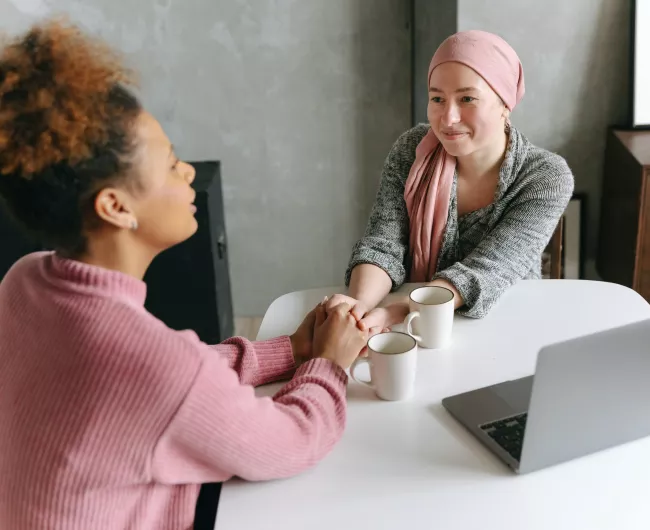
<point>508,433</point>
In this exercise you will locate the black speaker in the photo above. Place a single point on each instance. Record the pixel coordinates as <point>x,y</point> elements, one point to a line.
<point>188,286</point>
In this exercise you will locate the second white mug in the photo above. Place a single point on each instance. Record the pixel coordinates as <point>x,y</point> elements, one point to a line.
<point>431,316</point>
<point>392,357</point>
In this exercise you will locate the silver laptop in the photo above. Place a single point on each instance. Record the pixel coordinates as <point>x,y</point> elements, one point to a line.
<point>587,394</point>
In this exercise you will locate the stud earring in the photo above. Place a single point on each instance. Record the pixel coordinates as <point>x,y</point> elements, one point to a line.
<point>134,225</point>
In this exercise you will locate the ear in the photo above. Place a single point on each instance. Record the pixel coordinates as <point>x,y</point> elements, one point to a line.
<point>112,205</point>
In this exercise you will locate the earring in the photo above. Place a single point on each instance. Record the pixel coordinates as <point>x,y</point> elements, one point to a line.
<point>134,225</point>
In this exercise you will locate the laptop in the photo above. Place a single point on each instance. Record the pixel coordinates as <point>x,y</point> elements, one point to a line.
<point>587,394</point>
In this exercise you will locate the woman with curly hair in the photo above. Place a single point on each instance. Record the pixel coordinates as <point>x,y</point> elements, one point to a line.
<point>109,419</point>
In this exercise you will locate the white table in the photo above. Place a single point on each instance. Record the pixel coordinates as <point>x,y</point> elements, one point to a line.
<point>409,465</point>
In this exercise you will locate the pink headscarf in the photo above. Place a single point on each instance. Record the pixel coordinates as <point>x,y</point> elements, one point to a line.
<point>428,186</point>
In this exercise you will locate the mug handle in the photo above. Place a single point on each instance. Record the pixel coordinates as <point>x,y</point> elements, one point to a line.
<point>408,323</point>
<point>355,364</point>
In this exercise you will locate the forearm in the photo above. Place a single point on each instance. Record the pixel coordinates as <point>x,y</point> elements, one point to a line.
<point>222,429</point>
<point>258,363</point>
<point>369,284</point>
<point>509,252</point>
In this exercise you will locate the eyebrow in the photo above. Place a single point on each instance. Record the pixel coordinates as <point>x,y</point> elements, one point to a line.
<point>463,89</point>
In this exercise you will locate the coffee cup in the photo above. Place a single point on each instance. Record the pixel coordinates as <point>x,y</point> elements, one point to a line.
<point>392,358</point>
<point>431,316</point>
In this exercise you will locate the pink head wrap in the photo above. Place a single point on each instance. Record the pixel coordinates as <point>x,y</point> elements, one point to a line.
<point>428,186</point>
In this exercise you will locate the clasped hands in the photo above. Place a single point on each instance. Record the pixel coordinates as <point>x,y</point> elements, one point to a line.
<point>339,327</point>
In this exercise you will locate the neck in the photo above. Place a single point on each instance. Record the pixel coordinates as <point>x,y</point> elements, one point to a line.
<point>483,162</point>
<point>119,253</point>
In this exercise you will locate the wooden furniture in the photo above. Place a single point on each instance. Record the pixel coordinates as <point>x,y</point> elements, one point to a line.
<point>410,465</point>
<point>553,257</point>
<point>555,250</point>
<point>624,242</point>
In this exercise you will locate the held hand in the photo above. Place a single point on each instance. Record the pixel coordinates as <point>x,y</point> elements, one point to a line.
<point>385,317</point>
<point>337,336</point>
<point>303,338</point>
<point>357,308</point>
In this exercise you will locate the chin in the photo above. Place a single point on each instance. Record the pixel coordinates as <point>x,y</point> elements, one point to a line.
<point>193,227</point>
<point>181,237</point>
<point>455,149</point>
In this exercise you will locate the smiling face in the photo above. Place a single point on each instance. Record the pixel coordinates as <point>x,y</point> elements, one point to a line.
<point>464,112</point>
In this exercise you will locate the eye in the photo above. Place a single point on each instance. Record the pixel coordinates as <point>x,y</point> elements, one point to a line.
<point>436,99</point>
<point>467,99</point>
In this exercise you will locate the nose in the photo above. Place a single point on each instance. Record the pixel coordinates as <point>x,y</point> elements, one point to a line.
<point>450,115</point>
<point>189,172</point>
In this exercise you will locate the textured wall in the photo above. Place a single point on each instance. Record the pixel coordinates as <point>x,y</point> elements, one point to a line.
<point>300,101</point>
<point>575,57</point>
<point>434,22</point>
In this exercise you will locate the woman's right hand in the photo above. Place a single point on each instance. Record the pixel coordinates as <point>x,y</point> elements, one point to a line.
<point>337,336</point>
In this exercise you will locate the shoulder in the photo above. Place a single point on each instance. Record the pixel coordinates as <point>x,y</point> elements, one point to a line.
<point>402,153</point>
<point>29,263</point>
<point>26,268</point>
<point>544,171</point>
<point>409,140</point>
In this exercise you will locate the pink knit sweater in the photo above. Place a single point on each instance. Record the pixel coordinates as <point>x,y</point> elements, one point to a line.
<point>111,420</point>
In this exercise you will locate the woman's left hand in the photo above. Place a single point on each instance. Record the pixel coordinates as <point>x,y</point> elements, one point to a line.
<point>382,318</point>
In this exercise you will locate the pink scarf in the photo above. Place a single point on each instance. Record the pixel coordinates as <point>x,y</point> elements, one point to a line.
<point>428,186</point>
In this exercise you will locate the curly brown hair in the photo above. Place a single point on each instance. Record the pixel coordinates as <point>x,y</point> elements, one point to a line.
<point>66,129</point>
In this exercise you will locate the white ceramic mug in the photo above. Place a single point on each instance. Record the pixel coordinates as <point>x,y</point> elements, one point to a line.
<point>392,357</point>
<point>432,316</point>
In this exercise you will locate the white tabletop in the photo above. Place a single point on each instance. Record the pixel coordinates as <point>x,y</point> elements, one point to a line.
<point>408,465</point>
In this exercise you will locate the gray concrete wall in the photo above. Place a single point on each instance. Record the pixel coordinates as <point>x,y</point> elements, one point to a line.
<point>302,100</point>
<point>299,100</point>
<point>434,22</point>
<point>575,58</point>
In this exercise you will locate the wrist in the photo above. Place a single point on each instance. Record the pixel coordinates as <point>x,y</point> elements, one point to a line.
<point>294,349</point>
<point>360,297</point>
<point>458,299</point>
<point>332,359</point>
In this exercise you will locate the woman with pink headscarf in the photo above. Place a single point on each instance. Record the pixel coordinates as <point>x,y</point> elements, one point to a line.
<point>465,201</point>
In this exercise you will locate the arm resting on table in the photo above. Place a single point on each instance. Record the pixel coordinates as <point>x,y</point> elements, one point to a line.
<point>259,362</point>
<point>222,429</point>
<point>511,249</point>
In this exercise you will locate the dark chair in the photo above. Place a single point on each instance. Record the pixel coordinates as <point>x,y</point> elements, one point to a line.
<point>554,249</point>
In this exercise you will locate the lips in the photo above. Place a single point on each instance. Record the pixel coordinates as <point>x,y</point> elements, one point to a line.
<point>454,135</point>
